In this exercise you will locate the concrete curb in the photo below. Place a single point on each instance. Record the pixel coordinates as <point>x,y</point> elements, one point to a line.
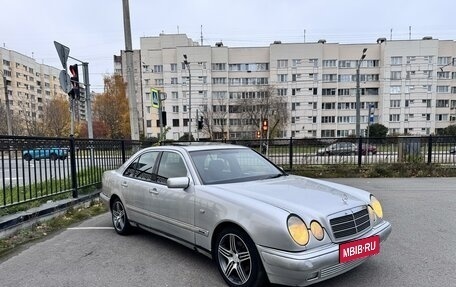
<point>14,222</point>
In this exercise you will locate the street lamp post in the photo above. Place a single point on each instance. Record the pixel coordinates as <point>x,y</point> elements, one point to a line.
<point>187,64</point>
<point>8,111</point>
<point>358,95</point>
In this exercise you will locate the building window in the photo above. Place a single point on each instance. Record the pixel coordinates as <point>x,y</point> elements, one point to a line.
<point>282,64</point>
<point>149,123</point>
<point>294,92</point>
<point>443,75</point>
<point>328,92</point>
<point>175,109</point>
<point>173,81</point>
<point>395,75</point>
<point>175,122</point>
<point>442,89</point>
<point>282,92</point>
<point>294,77</point>
<point>219,81</point>
<point>428,103</point>
<point>394,117</point>
<point>443,61</point>
<point>395,103</point>
<point>174,95</point>
<point>396,60</point>
<point>173,67</point>
<point>442,103</point>
<point>328,133</point>
<point>219,67</point>
<point>395,89</point>
<point>329,78</point>
<point>159,82</point>
<point>185,122</point>
<point>441,117</point>
<point>282,78</point>
<point>158,68</point>
<point>295,62</point>
<point>329,63</point>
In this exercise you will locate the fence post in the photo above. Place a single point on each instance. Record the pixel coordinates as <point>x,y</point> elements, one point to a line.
<point>122,144</point>
<point>291,153</point>
<point>360,150</point>
<point>429,159</point>
<point>74,174</point>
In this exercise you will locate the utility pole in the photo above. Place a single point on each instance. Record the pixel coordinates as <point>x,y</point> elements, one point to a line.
<point>8,111</point>
<point>358,95</point>
<point>187,64</point>
<point>130,76</point>
<point>88,99</point>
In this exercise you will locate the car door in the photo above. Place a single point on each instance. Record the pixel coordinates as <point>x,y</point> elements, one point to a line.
<point>175,205</point>
<point>137,185</point>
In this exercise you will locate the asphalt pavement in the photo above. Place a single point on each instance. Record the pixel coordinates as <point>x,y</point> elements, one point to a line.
<point>419,252</point>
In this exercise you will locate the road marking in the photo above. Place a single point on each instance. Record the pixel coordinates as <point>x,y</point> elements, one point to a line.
<point>90,228</point>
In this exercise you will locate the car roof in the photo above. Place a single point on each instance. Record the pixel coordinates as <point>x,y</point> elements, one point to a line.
<point>195,146</point>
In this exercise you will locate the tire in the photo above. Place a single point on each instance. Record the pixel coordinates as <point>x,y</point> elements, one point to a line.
<point>53,157</point>
<point>237,259</point>
<point>27,157</point>
<point>119,218</point>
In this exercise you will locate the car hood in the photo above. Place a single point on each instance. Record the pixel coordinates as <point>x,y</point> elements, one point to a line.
<point>301,195</point>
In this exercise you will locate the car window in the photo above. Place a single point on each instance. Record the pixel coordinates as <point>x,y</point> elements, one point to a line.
<point>232,165</point>
<point>143,166</point>
<point>171,165</point>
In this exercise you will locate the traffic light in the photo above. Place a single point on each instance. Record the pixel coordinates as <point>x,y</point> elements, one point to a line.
<point>264,125</point>
<point>200,123</point>
<point>74,93</point>
<point>258,134</point>
<point>164,117</point>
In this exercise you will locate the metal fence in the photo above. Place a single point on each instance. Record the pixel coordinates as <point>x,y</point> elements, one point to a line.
<point>38,168</point>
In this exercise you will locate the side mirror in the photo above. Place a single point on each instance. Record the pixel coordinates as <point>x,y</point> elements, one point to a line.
<point>178,182</point>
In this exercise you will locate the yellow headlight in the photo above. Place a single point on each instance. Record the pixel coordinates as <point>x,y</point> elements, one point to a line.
<point>376,206</point>
<point>317,230</point>
<point>298,230</point>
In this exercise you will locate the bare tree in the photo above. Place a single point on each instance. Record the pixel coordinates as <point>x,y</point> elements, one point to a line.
<point>259,104</point>
<point>215,118</point>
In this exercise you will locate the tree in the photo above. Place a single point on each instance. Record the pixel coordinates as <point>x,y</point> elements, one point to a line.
<point>448,131</point>
<point>262,103</point>
<point>377,131</point>
<point>215,118</point>
<point>56,118</point>
<point>111,108</point>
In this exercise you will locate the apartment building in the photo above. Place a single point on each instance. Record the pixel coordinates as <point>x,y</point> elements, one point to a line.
<point>408,85</point>
<point>29,85</point>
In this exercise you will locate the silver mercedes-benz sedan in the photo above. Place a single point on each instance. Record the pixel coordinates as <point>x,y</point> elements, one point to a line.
<point>257,222</point>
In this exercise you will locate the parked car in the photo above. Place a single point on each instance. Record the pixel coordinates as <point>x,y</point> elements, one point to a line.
<point>368,149</point>
<point>257,222</point>
<point>53,153</point>
<point>339,148</point>
<point>453,149</point>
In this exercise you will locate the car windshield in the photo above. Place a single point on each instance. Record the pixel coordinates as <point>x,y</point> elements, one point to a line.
<point>232,165</point>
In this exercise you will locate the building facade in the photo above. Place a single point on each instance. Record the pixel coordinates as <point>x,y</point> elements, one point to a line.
<point>29,85</point>
<point>409,86</point>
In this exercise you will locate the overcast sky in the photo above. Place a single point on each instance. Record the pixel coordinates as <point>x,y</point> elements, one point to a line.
<point>93,29</point>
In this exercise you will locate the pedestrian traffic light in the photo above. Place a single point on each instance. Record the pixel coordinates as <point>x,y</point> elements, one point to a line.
<point>258,134</point>
<point>264,125</point>
<point>201,123</point>
<point>74,93</point>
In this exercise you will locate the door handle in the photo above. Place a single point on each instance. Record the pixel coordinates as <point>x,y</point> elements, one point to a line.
<point>124,184</point>
<point>153,191</point>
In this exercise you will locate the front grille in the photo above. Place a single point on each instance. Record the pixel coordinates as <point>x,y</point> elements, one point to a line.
<point>351,224</point>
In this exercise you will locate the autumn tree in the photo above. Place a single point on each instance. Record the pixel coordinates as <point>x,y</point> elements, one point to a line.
<point>56,118</point>
<point>111,108</point>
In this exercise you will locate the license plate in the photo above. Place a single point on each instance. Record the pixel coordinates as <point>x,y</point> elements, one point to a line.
<point>358,249</point>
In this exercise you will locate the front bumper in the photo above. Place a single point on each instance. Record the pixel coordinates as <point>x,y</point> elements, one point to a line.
<point>312,266</point>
